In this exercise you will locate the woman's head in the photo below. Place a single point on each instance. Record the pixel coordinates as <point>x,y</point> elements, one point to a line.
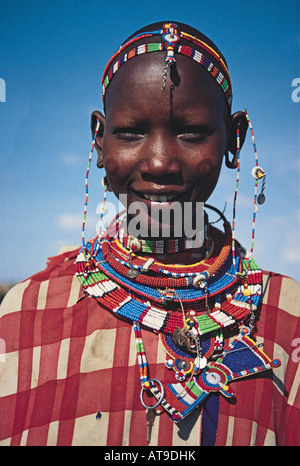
<point>163,147</point>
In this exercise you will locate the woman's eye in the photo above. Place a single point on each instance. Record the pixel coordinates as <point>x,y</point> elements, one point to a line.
<point>129,134</point>
<point>194,133</point>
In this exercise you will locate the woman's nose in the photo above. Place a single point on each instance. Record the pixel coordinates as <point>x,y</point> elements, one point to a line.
<point>160,158</point>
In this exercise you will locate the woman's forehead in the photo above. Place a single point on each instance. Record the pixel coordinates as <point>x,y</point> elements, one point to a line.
<point>139,82</point>
<point>174,42</point>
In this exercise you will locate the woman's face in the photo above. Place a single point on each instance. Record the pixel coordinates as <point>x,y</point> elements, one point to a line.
<point>163,147</point>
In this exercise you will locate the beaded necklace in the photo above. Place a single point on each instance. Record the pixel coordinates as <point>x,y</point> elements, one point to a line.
<point>141,298</point>
<point>190,319</point>
<point>168,246</point>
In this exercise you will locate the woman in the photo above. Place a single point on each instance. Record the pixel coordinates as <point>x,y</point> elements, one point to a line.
<point>141,345</point>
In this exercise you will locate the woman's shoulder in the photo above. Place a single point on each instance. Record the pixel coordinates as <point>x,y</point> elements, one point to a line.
<point>57,279</point>
<point>278,322</point>
<point>281,291</point>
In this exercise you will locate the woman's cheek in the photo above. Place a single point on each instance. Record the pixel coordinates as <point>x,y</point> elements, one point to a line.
<point>206,167</point>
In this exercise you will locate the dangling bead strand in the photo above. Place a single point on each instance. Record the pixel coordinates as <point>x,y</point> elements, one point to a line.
<point>141,356</point>
<point>258,173</point>
<point>235,194</point>
<point>86,182</point>
<point>102,212</point>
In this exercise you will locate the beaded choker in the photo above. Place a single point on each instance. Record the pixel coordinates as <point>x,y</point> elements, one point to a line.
<point>168,246</point>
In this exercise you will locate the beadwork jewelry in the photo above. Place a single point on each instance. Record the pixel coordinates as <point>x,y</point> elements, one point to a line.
<point>175,246</point>
<point>258,174</point>
<point>189,306</point>
<point>168,246</point>
<point>235,193</point>
<point>104,278</point>
<point>86,181</point>
<point>187,362</point>
<point>171,43</point>
<point>195,371</point>
<point>241,359</point>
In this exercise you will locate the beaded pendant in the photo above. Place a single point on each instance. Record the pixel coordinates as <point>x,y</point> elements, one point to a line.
<point>241,359</point>
<point>189,315</point>
<point>187,355</point>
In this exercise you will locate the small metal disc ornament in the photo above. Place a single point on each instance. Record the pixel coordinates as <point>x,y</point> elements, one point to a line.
<point>182,365</point>
<point>132,273</point>
<point>261,198</point>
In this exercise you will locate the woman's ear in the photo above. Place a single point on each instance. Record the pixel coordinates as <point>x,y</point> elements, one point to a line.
<point>237,118</point>
<point>96,115</point>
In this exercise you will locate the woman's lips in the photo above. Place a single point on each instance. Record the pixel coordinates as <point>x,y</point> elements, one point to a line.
<point>164,197</point>
<point>159,197</point>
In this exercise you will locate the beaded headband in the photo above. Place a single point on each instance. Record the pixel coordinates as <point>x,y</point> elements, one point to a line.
<point>171,37</point>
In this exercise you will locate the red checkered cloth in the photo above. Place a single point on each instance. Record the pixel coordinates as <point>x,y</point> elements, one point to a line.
<point>66,361</point>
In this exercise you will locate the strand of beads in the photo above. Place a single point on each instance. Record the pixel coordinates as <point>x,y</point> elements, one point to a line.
<point>258,173</point>
<point>86,182</point>
<point>102,212</point>
<point>170,41</point>
<point>141,355</point>
<point>238,146</point>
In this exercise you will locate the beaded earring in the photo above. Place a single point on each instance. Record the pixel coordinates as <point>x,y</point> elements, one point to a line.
<point>102,212</point>
<point>258,174</point>
<point>86,182</point>
<point>103,206</point>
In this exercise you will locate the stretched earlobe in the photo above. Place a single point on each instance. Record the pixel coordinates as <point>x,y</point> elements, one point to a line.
<point>231,163</point>
<point>98,116</point>
<point>237,119</point>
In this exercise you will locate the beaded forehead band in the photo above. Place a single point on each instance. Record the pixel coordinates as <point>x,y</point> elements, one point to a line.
<point>171,37</point>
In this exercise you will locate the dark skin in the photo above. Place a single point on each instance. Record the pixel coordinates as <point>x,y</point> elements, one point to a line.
<point>169,144</point>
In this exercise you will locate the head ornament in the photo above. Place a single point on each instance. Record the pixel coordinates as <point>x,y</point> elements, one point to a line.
<point>171,41</point>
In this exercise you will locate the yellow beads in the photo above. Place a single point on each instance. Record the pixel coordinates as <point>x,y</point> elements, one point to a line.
<point>247,292</point>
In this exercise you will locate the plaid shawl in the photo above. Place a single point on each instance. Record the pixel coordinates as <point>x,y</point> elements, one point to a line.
<point>66,361</point>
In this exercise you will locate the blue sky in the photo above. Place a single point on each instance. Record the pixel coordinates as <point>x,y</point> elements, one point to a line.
<point>52,54</point>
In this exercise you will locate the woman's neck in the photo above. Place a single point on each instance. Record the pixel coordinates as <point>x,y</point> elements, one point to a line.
<point>186,257</point>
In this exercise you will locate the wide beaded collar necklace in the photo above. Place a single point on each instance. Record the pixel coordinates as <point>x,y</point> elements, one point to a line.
<point>140,287</point>
<point>189,306</point>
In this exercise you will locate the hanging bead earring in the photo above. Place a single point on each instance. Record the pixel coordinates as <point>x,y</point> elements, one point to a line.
<point>103,210</point>
<point>86,182</point>
<point>237,158</point>
<point>259,174</point>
